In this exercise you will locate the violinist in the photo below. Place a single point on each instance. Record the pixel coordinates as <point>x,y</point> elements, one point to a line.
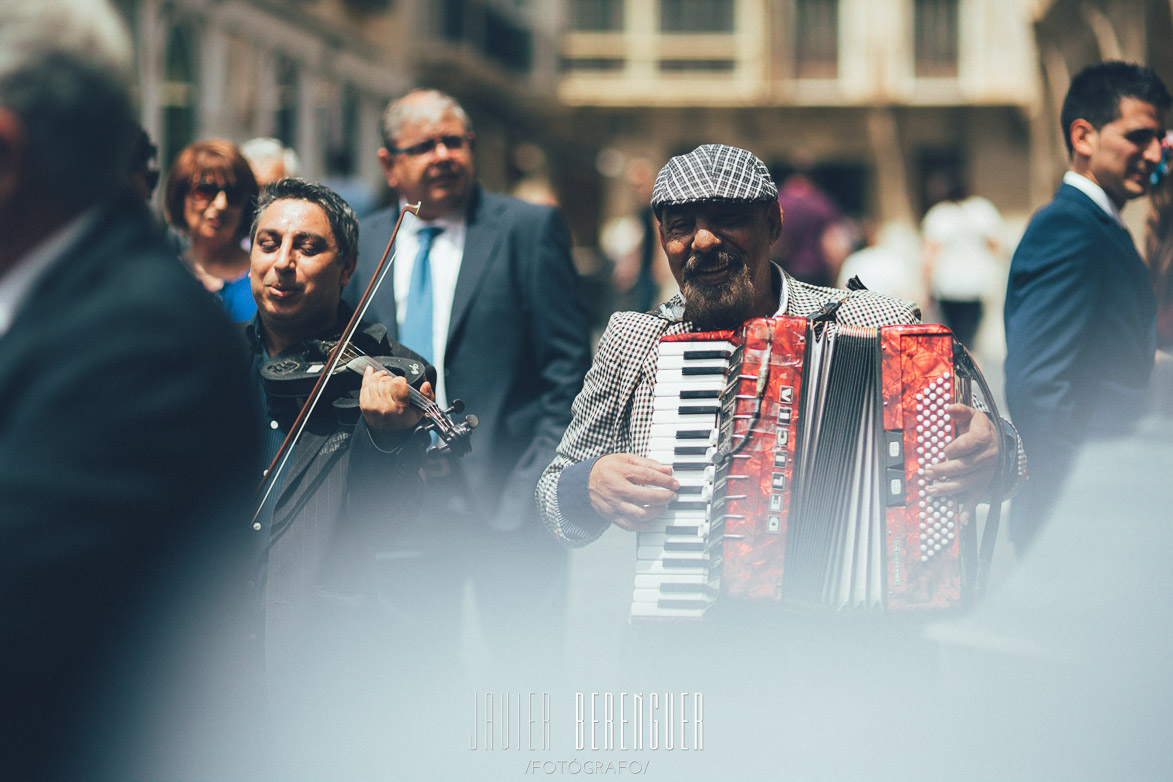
<point>354,471</point>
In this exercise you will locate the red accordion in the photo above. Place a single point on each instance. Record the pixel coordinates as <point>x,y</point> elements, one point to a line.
<point>801,448</point>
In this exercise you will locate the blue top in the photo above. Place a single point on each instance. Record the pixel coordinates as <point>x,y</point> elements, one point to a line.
<point>237,298</point>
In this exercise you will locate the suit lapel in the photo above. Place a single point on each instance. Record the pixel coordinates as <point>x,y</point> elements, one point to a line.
<point>384,305</point>
<point>1115,231</point>
<point>298,476</point>
<point>481,242</point>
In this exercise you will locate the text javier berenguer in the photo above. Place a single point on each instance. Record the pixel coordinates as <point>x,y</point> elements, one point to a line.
<point>602,721</point>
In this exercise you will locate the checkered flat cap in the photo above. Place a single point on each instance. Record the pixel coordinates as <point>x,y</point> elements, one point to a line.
<point>713,172</point>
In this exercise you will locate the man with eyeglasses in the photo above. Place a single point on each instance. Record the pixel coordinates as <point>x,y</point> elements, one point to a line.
<point>483,286</point>
<point>1080,312</point>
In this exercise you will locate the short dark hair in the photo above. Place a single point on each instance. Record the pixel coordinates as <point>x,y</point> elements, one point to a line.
<point>1096,91</point>
<point>218,160</point>
<point>343,221</point>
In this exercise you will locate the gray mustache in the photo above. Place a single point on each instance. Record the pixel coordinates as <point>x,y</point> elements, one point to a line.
<point>698,262</point>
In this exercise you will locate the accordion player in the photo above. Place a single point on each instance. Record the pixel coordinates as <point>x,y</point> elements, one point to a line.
<point>718,219</point>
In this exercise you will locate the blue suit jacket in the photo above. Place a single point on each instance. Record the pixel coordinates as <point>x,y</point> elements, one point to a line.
<point>518,344</point>
<point>1080,336</point>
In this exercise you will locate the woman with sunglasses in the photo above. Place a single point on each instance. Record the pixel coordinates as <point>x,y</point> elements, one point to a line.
<point>209,197</point>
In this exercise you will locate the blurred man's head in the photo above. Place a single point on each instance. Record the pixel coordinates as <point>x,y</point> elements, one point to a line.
<point>427,153</point>
<point>270,159</point>
<point>1113,120</point>
<point>718,212</point>
<point>65,73</point>
<point>144,164</point>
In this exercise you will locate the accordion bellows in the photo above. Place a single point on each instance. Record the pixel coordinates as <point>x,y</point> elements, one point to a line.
<point>801,448</point>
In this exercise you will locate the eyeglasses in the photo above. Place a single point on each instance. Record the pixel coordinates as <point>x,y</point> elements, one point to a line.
<point>424,147</point>
<point>206,192</point>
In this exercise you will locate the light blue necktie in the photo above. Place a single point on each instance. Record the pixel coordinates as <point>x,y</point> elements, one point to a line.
<point>417,319</point>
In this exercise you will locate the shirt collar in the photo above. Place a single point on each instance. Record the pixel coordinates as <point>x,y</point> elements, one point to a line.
<point>19,280</point>
<point>450,223</point>
<point>783,288</point>
<point>1094,192</point>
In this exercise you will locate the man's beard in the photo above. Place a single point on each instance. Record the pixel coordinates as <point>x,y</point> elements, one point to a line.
<point>725,305</point>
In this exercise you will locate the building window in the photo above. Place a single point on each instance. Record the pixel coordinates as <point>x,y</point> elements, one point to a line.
<point>696,16</point>
<point>489,30</point>
<point>596,16</point>
<point>936,37</point>
<point>178,94</point>
<point>697,66</point>
<point>593,64</point>
<point>816,39</point>
<point>285,112</point>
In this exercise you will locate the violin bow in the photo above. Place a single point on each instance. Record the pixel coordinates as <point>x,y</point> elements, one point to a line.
<point>269,477</point>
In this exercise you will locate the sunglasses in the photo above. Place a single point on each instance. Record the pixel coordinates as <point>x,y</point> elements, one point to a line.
<point>424,147</point>
<point>206,192</point>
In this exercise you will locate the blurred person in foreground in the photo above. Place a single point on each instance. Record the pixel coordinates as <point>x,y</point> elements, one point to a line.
<point>144,164</point>
<point>209,197</point>
<point>126,439</point>
<point>1080,313</point>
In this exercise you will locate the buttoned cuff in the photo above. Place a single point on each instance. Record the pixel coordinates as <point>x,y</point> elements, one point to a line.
<point>577,517</point>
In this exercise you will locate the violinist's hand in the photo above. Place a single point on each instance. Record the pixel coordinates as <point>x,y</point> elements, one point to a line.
<point>970,460</point>
<point>385,404</point>
<point>630,490</point>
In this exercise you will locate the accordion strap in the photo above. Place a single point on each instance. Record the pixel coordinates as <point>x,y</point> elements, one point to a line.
<point>964,359</point>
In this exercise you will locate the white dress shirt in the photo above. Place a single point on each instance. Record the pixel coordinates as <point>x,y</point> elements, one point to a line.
<point>445,256</point>
<point>1094,192</point>
<point>16,283</point>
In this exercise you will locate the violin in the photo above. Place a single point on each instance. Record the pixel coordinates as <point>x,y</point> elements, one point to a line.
<point>295,377</point>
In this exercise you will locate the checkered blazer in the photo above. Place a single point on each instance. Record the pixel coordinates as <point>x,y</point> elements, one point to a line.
<point>613,412</point>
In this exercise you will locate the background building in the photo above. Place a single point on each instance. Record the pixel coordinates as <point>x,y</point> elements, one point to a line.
<point>879,94</point>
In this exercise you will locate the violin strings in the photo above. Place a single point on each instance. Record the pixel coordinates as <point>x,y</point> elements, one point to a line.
<point>352,353</point>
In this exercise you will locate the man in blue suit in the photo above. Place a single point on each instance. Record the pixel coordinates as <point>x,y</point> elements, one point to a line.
<point>484,287</point>
<point>1080,314</point>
